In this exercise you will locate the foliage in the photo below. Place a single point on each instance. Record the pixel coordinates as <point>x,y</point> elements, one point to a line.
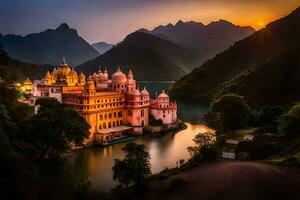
<point>54,128</point>
<point>200,140</point>
<point>268,118</point>
<point>204,149</point>
<point>22,134</point>
<point>12,70</point>
<point>289,122</point>
<point>135,167</point>
<point>233,112</point>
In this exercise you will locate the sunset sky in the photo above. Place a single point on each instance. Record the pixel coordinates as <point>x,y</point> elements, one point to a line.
<point>112,20</point>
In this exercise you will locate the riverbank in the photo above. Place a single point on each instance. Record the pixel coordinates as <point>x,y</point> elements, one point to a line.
<point>150,130</point>
<point>228,180</point>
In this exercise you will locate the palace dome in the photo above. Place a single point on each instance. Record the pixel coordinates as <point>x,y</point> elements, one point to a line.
<point>145,91</point>
<point>94,76</point>
<point>81,77</point>
<point>105,74</point>
<point>27,82</point>
<point>136,92</point>
<point>119,76</point>
<point>63,70</point>
<point>163,95</point>
<point>54,72</point>
<point>73,74</point>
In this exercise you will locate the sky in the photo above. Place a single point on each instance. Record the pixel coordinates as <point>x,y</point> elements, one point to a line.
<point>112,20</point>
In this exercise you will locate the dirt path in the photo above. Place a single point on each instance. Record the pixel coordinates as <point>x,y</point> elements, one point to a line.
<point>231,180</point>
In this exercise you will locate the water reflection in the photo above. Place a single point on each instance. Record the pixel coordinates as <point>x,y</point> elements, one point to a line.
<point>95,163</point>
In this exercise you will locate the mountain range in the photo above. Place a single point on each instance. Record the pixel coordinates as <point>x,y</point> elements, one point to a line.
<point>102,47</point>
<point>206,40</point>
<point>149,57</point>
<point>264,68</point>
<point>165,53</point>
<point>169,52</point>
<point>49,47</point>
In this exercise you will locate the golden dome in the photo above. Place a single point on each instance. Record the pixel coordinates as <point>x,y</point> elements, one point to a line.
<point>73,74</point>
<point>63,70</point>
<point>54,72</point>
<point>27,82</point>
<point>81,76</point>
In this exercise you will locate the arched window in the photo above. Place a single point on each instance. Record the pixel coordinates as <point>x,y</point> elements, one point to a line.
<point>109,124</point>
<point>115,114</point>
<point>109,115</point>
<point>101,117</point>
<point>104,125</point>
<point>120,114</point>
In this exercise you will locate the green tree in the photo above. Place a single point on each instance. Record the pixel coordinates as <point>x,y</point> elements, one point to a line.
<point>204,148</point>
<point>289,122</point>
<point>232,111</point>
<point>54,128</point>
<point>268,118</point>
<point>135,167</point>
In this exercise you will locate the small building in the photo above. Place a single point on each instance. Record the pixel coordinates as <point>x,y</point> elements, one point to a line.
<point>229,153</point>
<point>162,109</point>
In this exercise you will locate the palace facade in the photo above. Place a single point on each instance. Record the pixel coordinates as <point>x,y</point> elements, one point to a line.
<point>110,106</point>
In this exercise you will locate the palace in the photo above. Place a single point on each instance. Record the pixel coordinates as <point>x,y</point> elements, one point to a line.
<point>112,107</point>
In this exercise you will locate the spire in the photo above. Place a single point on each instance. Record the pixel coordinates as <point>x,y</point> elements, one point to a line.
<point>64,61</point>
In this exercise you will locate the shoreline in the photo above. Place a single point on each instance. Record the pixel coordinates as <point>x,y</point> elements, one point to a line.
<point>179,127</point>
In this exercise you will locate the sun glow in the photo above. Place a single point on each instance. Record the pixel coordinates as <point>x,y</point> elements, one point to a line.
<point>261,24</point>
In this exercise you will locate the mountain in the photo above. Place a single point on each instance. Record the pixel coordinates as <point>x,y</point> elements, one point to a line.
<point>274,80</point>
<point>49,47</point>
<point>263,67</point>
<point>102,47</point>
<point>207,40</point>
<point>149,57</point>
<point>11,69</point>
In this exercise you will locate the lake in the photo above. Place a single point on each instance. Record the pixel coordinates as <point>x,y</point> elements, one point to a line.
<point>95,163</point>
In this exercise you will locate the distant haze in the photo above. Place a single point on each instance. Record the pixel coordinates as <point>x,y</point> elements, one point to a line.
<point>112,20</point>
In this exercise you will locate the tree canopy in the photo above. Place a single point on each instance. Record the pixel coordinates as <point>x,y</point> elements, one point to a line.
<point>289,122</point>
<point>232,111</point>
<point>54,128</point>
<point>135,167</point>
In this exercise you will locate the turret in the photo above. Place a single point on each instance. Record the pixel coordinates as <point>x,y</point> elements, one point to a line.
<point>81,79</point>
<point>130,75</point>
<point>89,87</point>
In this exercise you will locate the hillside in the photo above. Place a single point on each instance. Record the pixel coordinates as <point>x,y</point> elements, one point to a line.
<point>12,70</point>
<point>102,47</point>
<point>274,80</point>
<point>260,50</point>
<point>149,57</point>
<point>49,47</point>
<point>205,40</point>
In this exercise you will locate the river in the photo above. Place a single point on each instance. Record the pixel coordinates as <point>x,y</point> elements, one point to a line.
<point>95,163</point>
